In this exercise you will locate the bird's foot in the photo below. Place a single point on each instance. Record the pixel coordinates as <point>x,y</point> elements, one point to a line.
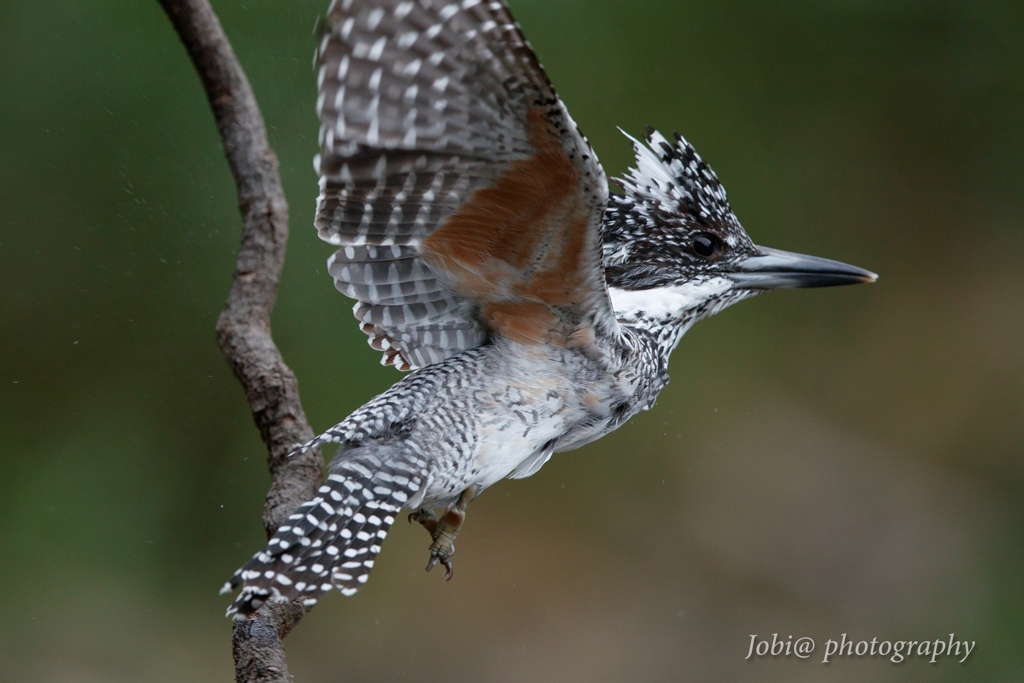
<point>443,547</point>
<point>445,558</point>
<point>443,531</point>
<point>427,518</point>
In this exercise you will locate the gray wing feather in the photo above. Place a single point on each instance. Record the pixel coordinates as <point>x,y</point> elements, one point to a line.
<point>421,104</point>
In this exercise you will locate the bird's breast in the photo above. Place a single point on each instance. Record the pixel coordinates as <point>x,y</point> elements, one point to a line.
<point>518,417</point>
<point>531,405</point>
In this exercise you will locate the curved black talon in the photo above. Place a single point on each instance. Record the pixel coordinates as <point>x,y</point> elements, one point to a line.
<point>427,518</point>
<point>449,572</point>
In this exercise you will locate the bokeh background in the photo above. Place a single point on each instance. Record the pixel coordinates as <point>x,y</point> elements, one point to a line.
<point>824,462</point>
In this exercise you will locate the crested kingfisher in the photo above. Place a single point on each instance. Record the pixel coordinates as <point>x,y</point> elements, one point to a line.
<point>475,231</point>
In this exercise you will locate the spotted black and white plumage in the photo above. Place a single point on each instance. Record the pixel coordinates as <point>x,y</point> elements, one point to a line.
<point>475,231</point>
<point>333,540</point>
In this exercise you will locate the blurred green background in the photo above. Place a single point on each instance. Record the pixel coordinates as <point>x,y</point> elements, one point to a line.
<point>825,462</point>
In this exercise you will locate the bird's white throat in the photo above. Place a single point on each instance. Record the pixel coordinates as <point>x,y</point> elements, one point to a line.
<point>666,303</point>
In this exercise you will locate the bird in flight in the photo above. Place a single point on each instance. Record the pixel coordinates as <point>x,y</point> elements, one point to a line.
<point>475,230</point>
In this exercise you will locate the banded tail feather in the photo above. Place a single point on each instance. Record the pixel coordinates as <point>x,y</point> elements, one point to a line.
<point>332,540</point>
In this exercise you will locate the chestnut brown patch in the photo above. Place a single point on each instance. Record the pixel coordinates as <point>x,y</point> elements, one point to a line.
<point>526,322</point>
<point>518,245</point>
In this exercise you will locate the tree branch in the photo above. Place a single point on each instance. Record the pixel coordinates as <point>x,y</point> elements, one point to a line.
<point>243,329</point>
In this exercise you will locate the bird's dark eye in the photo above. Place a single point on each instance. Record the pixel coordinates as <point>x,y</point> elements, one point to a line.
<point>705,245</point>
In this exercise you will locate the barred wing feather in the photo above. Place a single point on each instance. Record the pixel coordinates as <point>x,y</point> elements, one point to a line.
<point>463,198</point>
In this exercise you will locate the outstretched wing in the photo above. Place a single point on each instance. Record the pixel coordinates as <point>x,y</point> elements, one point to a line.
<point>464,199</point>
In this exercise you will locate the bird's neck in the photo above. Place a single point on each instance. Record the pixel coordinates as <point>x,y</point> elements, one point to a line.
<point>666,312</point>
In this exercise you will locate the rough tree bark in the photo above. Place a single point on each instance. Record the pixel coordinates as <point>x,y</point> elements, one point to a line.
<point>243,329</point>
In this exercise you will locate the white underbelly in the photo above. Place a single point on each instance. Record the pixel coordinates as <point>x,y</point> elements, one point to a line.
<point>499,455</point>
<point>517,424</point>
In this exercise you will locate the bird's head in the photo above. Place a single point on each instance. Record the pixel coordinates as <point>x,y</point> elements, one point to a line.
<point>674,250</point>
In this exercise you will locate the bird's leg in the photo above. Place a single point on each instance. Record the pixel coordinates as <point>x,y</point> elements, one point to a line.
<point>444,530</point>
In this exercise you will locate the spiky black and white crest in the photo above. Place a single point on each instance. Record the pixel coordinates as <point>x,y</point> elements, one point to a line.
<point>675,180</point>
<point>670,196</point>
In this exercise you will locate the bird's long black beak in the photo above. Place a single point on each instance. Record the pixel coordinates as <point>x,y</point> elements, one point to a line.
<point>776,269</point>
